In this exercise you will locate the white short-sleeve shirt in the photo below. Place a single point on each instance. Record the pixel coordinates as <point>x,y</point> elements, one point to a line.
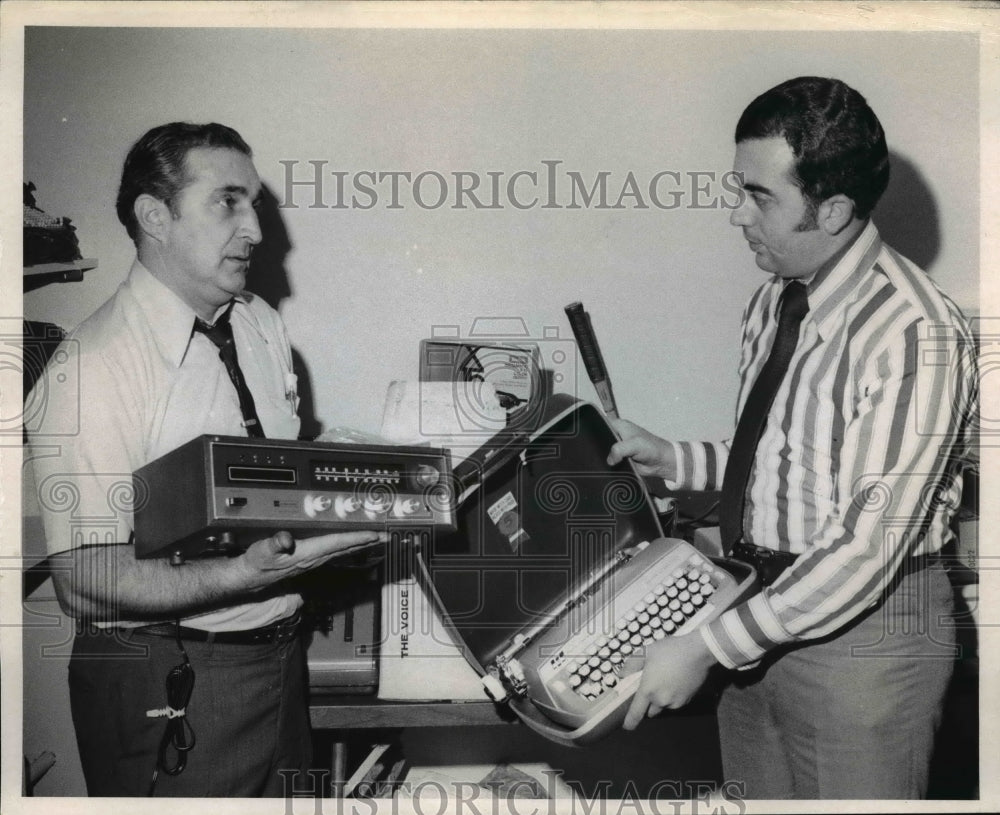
<point>133,383</point>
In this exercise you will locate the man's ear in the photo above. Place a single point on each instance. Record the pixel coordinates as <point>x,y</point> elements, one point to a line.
<point>835,213</point>
<point>153,216</point>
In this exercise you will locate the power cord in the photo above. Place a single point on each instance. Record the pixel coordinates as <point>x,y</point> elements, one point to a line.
<point>703,516</point>
<point>178,732</point>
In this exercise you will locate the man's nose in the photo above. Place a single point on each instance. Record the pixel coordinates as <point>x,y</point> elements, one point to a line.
<point>250,228</point>
<point>741,215</point>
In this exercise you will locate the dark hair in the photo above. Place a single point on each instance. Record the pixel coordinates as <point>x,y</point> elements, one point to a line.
<point>837,140</point>
<point>156,164</point>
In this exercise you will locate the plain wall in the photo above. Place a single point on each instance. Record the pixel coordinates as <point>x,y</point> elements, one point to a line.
<point>360,288</point>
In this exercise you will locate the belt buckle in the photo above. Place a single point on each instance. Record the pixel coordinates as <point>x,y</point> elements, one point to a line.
<point>283,630</point>
<point>772,565</point>
<point>764,561</point>
<point>763,554</point>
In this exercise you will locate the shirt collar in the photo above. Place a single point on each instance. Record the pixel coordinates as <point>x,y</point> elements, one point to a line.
<point>170,319</point>
<point>830,289</point>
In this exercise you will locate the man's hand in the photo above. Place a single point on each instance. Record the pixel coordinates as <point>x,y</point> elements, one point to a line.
<point>650,454</point>
<point>280,556</point>
<point>154,589</point>
<point>674,670</point>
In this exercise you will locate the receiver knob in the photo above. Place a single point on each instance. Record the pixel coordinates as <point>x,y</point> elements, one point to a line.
<point>376,506</point>
<point>427,476</point>
<point>405,506</point>
<point>345,505</point>
<point>314,504</point>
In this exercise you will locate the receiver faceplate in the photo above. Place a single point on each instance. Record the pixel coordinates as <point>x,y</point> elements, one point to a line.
<point>215,495</point>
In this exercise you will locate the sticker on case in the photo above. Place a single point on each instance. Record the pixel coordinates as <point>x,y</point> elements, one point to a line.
<point>504,514</point>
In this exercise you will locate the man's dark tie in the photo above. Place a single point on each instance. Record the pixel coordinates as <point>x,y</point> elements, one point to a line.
<point>222,335</point>
<point>794,306</point>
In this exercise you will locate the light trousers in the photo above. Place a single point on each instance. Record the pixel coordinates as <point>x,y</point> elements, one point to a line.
<point>853,715</point>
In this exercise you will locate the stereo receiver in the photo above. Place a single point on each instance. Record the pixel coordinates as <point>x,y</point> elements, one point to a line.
<point>216,495</point>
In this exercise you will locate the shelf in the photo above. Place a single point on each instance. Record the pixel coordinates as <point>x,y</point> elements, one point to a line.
<point>42,274</point>
<point>353,713</point>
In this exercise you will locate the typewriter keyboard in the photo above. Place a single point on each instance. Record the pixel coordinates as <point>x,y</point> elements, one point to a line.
<point>670,596</point>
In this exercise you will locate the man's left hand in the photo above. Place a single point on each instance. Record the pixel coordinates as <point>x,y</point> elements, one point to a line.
<point>673,671</point>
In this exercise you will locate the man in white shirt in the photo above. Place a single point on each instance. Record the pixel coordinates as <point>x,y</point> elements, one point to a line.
<point>141,382</point>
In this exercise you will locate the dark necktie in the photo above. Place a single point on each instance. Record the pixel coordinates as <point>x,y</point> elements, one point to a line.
<point>221,334</point>
<point>794,305</point>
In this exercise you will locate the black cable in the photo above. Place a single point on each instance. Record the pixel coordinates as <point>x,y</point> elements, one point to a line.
<point>685,526</point>
<point>178,732</point>
<point>702,517</point>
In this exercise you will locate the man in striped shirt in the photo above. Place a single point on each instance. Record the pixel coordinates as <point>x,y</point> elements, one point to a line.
<point>842,662</point>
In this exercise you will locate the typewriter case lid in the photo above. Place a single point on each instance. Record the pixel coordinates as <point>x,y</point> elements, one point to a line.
<point>540,515</point>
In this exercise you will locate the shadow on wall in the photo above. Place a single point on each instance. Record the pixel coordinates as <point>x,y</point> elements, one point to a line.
<point>907,215</point>
<point>269,279</point>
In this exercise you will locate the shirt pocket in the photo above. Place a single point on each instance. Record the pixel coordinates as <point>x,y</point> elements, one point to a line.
<point>279,419</point>
<point>869,398</point>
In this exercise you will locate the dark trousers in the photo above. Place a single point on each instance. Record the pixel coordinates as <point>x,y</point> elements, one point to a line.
<point>248,709</point>
<point>853,715</point>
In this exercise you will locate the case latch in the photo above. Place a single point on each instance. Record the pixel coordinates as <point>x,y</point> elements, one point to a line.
<point>494,688</point>
<point>513,674</point>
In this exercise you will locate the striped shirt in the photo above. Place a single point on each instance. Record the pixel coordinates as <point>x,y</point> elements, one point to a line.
<point>859,465</point>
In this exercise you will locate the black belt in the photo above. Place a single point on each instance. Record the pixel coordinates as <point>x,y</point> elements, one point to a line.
<point>281,631</point>
<point>770,563</point>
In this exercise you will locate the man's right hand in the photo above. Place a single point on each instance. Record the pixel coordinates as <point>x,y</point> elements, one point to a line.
<point>280,556</point>
<point>154,589</point>
<point>651,455</point>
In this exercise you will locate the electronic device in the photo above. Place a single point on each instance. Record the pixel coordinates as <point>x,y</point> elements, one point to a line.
<point>524,368</point>
<point>582,670</point>
<point>559,575</point>
<point>216,495</point>
<point>511,369</point>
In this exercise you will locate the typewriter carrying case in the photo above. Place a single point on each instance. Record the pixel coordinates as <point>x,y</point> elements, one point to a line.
<point>559,573</point>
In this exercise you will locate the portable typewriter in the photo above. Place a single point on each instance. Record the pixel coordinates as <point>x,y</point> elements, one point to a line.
<point>559,575</point>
